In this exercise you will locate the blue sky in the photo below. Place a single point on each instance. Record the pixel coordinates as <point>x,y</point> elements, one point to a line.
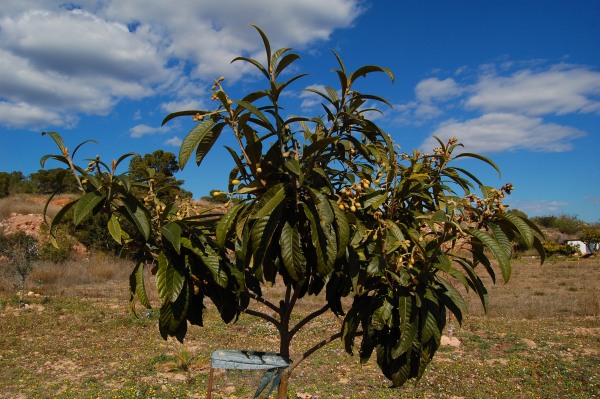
<point>518,81</point>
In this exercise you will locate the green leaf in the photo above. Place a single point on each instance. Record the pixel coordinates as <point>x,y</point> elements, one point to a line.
<point>174,115</point>
<point>201,134</point>
<point>408,326</point>
<point>453,299</point>
<point>382,316</point>
<point>349,328</point>
<point>169,280</point>
<point>257,64</point>
<point>226,222</point>
<point>263,248</point>
<point>497,250</point>
<point>210,259</point>
<point>293,166</point>
<point>269,201</point>
<point>85,206</point>
<point>60,215</point>
<point>137,287</point>
<point>254,110</point>
<point>114,228</point>
<point>172,232</point>
<point>501,237</point>
<point>524,230</point>
<point>321,241</point>
<point>265,40</point>
<point>291,252</point>
<point>57,139</point>
<point>374,199</point>
<point>481,158</point>
<point>285,61</point>
<point>138,215</point>
<point>367,69</point>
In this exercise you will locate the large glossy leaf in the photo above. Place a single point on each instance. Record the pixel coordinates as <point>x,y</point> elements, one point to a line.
<point>285,61</point>
<point>263,243</point>
<point>497,250</point>
<point>269,201</point>
<point>408,326</point>
<point>114,228</point>
<point>138,215</point>
<point>86,206</point>
<point>320,242</point>
<point>291,252</point>
<point>501,237</point>
<point>254,110</point>
<point>210,259</point>
<point>60,215</point>
<point>453,299</point>
<point>367,69</point>
<point>172,232</point>
<point>374,199</point>
<point>226,222</point>
<point>200,135</point>
<point>480,157</point>
<point>169,280</point>
<point>137,286</point>
<point>524,230</point>
<point>178,114</point>
<point>349,328</point>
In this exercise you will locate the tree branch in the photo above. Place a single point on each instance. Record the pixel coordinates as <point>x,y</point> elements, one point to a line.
<point>317,347</point>
<point>307,319</point>
<point>263,316</point>
<point>264,302</point>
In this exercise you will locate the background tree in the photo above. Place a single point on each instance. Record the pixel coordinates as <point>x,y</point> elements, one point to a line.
<point>14,182</point>
<point>20,251</point>
<point>161,166</point>
<point>323,204</point>
<point>52,180</point>
<point>591,236</point>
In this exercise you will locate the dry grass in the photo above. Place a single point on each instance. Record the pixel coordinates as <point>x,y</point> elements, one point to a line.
<point>554,289</point>
<point>25,204</point>
<point>540,339</point>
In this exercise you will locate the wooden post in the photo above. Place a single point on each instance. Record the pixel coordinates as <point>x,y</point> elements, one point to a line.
<point>210,383</point>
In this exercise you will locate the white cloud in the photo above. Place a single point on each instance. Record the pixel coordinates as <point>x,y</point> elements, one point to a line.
<point>20,115</point>
<point>539,207</point>
<point>560,90</point>
<point>434,89</point>
<point>174,142</point>
<point>144,130</point>
<point>513,107</point>
<point>496,132</point>
<point>69,59</point>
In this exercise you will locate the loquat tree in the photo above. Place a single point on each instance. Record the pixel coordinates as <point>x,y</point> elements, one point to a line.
<point>320,204</point>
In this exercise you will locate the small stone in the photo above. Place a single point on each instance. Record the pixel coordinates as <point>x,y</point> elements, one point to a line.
<point>447,341</point>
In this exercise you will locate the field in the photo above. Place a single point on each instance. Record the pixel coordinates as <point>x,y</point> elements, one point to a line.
<point>77,338</point>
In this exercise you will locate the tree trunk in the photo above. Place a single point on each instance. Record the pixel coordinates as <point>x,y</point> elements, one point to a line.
<point>282,391</point>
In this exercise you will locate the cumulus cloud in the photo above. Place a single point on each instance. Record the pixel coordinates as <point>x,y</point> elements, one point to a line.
<point>539,207</point>
<point>434,89</point>
<point>64,59</point>
<point>497,132</point>
<point>560,90</point>
<point>512,106</point>
<point>174,142</point>
<point>144,130</point>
